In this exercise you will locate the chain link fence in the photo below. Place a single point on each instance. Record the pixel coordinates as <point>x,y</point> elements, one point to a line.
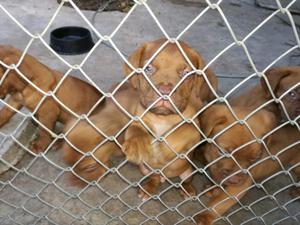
<point>46,196</point>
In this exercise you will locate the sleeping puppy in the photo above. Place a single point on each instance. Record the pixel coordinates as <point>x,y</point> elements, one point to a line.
<point>240,150</point>
<point>86,147</point>
<point>179,90</point>
<point>22,94</point>
<point>283,82</point>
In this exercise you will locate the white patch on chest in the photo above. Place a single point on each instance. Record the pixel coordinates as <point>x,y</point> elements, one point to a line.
<point>161,127</point>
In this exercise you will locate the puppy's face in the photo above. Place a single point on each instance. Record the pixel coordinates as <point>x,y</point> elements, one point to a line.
<point>238,147</point>
<point>281,80</point>
<point>165,71</point>
<point>235,157</point>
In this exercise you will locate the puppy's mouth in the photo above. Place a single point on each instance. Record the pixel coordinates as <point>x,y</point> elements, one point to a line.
<point>163,107</point>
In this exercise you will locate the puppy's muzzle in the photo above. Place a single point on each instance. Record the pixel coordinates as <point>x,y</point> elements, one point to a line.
<point>165,89</point>
<point>163,106</point>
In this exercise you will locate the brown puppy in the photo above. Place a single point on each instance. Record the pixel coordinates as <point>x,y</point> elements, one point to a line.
<point>160,115</point>
<point>283,83</point>
<point>77,95</point>
<point>280,81</point>
<point>87,149</point>
<point>244,152</point>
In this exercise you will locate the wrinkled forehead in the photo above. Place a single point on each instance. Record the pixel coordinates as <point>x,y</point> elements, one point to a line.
<point>169,53</point>
<point>291,80</point>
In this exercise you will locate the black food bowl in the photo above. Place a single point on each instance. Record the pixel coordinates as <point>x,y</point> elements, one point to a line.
<point>71,40</point>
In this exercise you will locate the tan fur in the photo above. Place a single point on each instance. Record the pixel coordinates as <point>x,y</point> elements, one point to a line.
<point>76,94</point>
<point>84,138</point>
<point>280,80</point>
<point>162,117</point>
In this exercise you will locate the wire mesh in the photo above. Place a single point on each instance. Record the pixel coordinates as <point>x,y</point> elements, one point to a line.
<point>109,199</point>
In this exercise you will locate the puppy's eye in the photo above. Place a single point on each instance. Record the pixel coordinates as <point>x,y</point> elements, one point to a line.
<point>149,70</point>
<point>184,72</point>
<point>292,94</point>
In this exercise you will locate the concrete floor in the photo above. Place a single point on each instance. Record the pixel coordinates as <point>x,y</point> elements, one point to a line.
<point>36,192</point>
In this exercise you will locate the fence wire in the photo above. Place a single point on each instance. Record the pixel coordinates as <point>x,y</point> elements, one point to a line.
<point>54,210</point>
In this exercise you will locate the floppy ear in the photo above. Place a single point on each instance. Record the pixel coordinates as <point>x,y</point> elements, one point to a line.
<point>205,92</point>
<point>274,76</point>
<point>213,116</point>
<point>201,87</point>
<point>7,50</point>
<point>135,61</point>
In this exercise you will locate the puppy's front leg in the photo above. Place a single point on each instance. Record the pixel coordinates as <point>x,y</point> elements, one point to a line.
<point>222,203</point>
<point>187,184</point>
<point>137,144</point>
<point>15,101</point>
<point>47,115</point>
<point>149,188</point>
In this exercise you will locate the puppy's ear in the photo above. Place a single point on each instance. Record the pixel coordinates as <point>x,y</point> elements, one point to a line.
<point>205,91</point>
<point>202,89</point>
<point>212,117</point>
<point>274,76</point>
<point>135,61</point>
<point>7,50</point>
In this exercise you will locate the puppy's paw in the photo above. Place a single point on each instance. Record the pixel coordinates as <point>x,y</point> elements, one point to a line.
<point>137,149</point>
<point>39,144</point>
<point>147,191</point>
<point>189,191</point>
<point>143,195</point>
<point>205,218</point>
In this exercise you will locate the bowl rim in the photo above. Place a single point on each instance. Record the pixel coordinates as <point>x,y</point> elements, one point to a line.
<point>71,46</point>
<point>86,33</point>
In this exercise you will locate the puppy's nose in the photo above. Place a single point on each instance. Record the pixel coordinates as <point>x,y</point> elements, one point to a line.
<point>165,89</point>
